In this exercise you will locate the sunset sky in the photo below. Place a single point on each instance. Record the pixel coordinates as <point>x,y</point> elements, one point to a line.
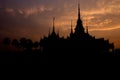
<point>33,18</point>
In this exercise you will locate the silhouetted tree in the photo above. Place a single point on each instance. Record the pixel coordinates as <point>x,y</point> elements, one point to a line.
<point>6,41</point>
<point>36,44</point>
<point>23,43</point>
<point>29,44</point>
<point>16,43</point>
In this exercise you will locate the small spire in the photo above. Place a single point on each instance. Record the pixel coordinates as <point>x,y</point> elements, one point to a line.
<point>86,26</point>
<point>53,24</point>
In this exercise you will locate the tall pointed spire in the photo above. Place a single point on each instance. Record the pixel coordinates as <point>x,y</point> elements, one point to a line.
<point>53,24</point>
<point>53,32</point>
<point>79,27</point>
<point>78,10</point>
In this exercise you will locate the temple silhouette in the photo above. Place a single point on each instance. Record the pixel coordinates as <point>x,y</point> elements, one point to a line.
<point>79,44</point>
<point>78,49</point>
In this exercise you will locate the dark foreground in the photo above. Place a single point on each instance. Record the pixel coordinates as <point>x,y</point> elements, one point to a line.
<point>35,62</point>
<point>38,58</point>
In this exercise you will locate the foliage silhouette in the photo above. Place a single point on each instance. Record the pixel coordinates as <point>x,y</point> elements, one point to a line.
<point>6,41</point>
<point>36,45</point>
<point>16,43</point>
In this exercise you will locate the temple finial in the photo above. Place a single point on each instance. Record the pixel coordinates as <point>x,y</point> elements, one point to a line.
<point>53,24</point>
<point>78,9</point>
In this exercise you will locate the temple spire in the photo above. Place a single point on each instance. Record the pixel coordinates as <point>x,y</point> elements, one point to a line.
<point>53,24</point>
<point>78,10</point>
<point>86,26</point>
<point>79,30</point>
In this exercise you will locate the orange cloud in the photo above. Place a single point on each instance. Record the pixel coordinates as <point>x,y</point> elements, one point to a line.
<point>10,11</point>
<point>34,10</point>
<point>105,29</point>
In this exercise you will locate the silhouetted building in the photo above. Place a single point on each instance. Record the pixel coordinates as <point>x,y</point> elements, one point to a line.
<point>77,44</point>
